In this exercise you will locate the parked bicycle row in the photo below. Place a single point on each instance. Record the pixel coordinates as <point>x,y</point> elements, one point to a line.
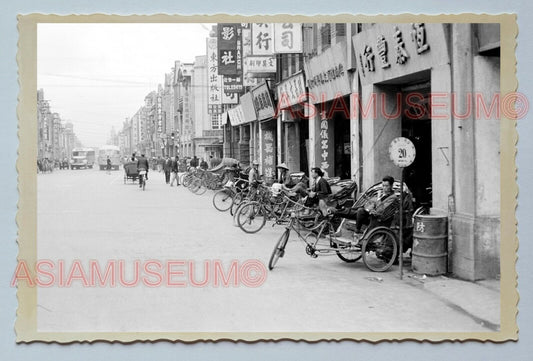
<point>326,215</point>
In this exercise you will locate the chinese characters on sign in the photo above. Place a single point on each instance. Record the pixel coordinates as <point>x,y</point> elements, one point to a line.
<point>229,49</point>
<point>236,115</point>
<point>326,76</point>
<point>418,35</point>
<point>260,64</point>
<point>269,155</point>
<point>324,140</point>
<point>388,45</point>
<point>263,102</point>
<point>262,39</point>
<point>214,81</point>
<point>287,38</point>
<point>291,91</point>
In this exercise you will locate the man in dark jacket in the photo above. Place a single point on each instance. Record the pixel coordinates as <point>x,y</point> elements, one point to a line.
<point>321,189</point>
<point>167,168</point>
<point>142,164</point>
<point>174,167</point>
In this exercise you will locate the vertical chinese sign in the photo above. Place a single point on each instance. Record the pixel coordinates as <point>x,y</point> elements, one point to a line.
<point>268,152</point>
<point>214,80</point>
<point>326,148</point>
<point>230,63</point>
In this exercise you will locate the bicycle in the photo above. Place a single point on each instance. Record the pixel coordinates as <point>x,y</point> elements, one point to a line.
<point>320,239</point>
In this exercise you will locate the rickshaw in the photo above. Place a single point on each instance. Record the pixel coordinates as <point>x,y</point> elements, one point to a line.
<point>377,246</point>
<point>131,171</point>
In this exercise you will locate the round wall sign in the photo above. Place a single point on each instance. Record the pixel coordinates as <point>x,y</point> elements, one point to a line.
<point>402,152</point>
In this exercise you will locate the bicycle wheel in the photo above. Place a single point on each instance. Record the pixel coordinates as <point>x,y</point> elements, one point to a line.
<point>279,250</point>
<point>251,217</point>
<point>347,252</point>
<point>223,199</point>
<point>187,179</point>
<point>237,200</point>
<point>379,249</point>
<point>201,188</point>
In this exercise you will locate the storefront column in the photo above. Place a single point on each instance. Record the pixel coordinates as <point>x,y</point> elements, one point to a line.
<point>226,152</point>
<point>280,137</point>
<point>464,163</point>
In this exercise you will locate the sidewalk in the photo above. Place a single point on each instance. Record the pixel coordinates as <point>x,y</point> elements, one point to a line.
<point>478,300</point>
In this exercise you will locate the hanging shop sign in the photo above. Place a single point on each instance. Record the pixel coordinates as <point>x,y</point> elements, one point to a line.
<point>287,38</point>
<point>260,64</point>
<point>236,115</point>
<point>327,74</point>
<point>229,43</point>
<point>248,109</point>
<point>291,91</point>
<point>233,84</point>
<point>263,103</point>
<point>214,81</point>
<point>387,51</point>
<point>268,151</point>
<point>262,39</point>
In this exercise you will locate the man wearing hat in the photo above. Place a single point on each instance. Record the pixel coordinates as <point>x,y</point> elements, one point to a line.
<point>284,177</point>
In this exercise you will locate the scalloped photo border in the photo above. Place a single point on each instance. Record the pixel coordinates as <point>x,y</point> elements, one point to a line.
<point>26,314</point>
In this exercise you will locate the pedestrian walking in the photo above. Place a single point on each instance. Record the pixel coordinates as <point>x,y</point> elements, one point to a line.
<point>167,169</point>
<point>174,171</point>
<point>203,164</point>
<point>108,165</point>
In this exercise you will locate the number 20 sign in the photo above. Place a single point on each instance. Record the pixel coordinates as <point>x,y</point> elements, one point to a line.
<point>402,152</point>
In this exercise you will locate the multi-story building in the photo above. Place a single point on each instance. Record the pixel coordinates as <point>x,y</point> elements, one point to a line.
<point>366,84</point>
<point>55,138</point>
<point>207,135</point>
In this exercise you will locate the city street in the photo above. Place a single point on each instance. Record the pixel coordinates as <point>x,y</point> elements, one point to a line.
<point>90,215</point>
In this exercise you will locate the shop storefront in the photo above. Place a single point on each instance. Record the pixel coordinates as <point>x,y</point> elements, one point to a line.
<point>267,131</point>
<point>329,80</point>
<point>413,82</point>
<point>294,125</point>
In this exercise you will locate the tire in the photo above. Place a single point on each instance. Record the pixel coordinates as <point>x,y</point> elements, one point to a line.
<point>187,179</point>
<point>251,217</point>
<point>223,199</point>
<point>380,249</point>
<point>348,253</point>
<point>279,250</point>
<point>237,200</point>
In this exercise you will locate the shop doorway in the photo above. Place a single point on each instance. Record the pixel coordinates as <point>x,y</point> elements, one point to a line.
<point>342,145</point>
<point>416,125</point>
<point>304,145</point>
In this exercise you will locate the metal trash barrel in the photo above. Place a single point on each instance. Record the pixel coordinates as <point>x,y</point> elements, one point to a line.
<point>430,243</point>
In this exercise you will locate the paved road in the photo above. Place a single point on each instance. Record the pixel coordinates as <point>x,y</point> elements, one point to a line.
<point>89,215</point>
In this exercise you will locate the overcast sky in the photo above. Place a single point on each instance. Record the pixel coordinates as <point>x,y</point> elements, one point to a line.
<point>96,75</point>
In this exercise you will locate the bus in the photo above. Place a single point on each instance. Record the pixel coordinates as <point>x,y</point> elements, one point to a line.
<point>82,158</point>
<point>111,151</point>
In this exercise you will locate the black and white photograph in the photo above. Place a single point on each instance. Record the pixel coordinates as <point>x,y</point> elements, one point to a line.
<point>198,179</point>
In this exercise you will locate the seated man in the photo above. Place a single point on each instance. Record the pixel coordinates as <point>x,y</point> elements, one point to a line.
<point>382,210</point>
<point>320,191</point>
<point>379,211</point>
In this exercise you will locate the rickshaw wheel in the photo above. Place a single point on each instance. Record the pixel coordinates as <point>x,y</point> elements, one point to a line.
<point>380,248</point>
